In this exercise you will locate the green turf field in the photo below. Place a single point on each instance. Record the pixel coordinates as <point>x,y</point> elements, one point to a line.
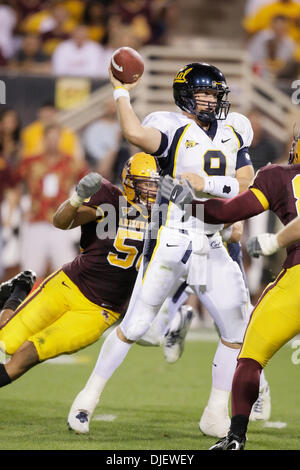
<point>156,405</point>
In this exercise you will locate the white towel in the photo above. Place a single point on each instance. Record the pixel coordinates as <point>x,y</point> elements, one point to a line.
<point>197,275</point>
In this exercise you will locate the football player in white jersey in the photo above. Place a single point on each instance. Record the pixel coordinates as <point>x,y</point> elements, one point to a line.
<point>207,141</point>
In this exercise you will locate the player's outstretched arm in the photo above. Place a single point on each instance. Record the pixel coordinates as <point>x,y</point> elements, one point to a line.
<point>269,243</point>
<point>238,208</point>
<point>146,138</point>
<point>71,213</point>
<point>216,211</point>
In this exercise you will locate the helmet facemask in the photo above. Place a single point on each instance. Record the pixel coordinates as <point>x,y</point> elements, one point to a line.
<point>215,111</point>
<point>140,177</point>
<point>144,188</point>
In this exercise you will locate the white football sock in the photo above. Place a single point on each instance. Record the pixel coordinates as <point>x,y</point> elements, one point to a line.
<point>223,368</point>
<point>111,356</point>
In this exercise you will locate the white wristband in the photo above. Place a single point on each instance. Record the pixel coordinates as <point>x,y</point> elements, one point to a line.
<point>118,92</point>
<point>221,186</point>
<point>76,200</point>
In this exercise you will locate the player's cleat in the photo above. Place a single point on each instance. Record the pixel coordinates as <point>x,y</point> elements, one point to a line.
<point>27,278</point>
<point>261,410</point>
<point>215,422</point>
<point>230,442</point>
<point>78,421</point>
<point>174,340</point>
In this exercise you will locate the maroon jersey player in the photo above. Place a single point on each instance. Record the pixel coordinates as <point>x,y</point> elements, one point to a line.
<point>276,187</point>
<point>275,318</point>
<point>109,264</point>
<point>77,303</point>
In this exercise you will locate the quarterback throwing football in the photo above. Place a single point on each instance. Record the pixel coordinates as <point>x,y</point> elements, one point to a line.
<point>204,139</point>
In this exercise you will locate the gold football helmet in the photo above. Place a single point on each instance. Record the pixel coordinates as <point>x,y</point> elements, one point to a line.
<point>295,151</point>
<point>140,178</point>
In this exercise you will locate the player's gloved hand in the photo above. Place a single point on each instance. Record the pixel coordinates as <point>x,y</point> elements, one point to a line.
<point>263,244</point>
<point>86,187</point>
<point>180,193</point>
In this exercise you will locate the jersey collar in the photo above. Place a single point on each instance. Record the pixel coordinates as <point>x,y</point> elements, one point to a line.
<point>211,132</point>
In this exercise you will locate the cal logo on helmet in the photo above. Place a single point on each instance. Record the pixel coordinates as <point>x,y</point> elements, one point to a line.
<point>180,77</point>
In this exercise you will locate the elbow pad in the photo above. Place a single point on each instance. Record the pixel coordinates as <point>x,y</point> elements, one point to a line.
<point>221,186</point>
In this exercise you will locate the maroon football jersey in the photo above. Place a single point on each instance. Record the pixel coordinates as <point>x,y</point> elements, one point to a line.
<point>281,186</point>
<point>105,271</point>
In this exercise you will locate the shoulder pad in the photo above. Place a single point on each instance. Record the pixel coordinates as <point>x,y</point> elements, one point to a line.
<point>242,126</point>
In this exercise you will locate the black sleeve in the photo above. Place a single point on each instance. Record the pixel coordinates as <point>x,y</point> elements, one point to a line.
<point>162,147</point>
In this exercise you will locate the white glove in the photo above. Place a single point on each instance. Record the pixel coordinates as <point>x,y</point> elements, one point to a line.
<point>263,244</point>
<point>86,187</point>
<point>176,192</point>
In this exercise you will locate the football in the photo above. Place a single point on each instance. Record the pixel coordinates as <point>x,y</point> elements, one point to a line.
<point>127,65</point>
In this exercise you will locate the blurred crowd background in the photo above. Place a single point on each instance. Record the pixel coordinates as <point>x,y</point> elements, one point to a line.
<point>45,43</point>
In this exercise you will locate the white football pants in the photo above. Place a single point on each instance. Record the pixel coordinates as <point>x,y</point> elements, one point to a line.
<point>225,297</point>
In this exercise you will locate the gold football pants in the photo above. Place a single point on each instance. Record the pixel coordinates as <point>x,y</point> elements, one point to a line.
<point>57,318</point>
<point>275,319</point>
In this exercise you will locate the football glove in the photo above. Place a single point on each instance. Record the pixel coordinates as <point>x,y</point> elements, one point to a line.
<point>264,244</point>
<point>86,187</point>
<point>176,192</point>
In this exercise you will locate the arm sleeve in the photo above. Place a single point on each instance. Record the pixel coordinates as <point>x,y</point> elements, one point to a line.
<point>160,121</point>
<point>243,158</point>
<point>268,185</point>
<point>265,193</point>
<point>163,146</point>
<point>241,207</point>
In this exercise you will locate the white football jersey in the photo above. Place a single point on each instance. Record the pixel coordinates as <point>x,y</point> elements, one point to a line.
<point>186,147</point>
